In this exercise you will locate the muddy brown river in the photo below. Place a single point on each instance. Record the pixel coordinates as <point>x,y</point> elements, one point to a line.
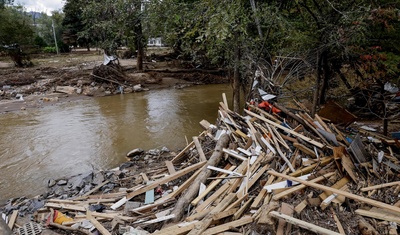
<point>76,137</point>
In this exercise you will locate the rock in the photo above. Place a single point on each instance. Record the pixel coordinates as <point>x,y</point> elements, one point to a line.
<point>135,152</point>
<point>79,91</point>
<point>62,182</point>
<point>98,178</point>
<point>165,149</point>
<point>137,88</point>
<point>93,84</point>
<point>51,183</point>
<point>154,152</point>
<point>126,165</point>
<point>128,90</point>
<point>66,89</point>
<point>108,92</point>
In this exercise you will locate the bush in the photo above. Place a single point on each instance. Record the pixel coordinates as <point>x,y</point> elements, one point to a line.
<point>49,50</point>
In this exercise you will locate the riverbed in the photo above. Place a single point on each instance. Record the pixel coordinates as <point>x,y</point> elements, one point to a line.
<point>76,137</point>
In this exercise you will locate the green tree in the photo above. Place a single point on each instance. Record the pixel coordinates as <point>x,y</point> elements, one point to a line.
<point>112,23</point>
<point>16,32</point>
<point>45,26</point>
<point>73,23</point>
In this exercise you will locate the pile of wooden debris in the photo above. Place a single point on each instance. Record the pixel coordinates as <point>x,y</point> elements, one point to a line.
<point>253,174</point>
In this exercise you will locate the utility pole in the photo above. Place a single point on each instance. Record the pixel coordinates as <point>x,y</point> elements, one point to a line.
<point>54,33</point>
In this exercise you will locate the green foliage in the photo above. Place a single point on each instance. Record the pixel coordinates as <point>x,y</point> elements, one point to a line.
<point>73,23</point>
<point>50,50</point>
<point>15,26</point>
<point>109,23</point>
<point>39,41</point>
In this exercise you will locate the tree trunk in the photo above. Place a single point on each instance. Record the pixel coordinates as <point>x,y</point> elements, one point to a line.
<point>236,75</point>
<point>193,190</point>
<point>317,86</point>
<point>139,39</point>
<point>257,20</point>
<point>326,76</point>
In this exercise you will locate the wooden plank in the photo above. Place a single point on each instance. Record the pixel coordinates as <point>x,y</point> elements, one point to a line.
<point>166,179</point>
<point>382,215</point>
<point>107,216</point>
<point>225,100</point>
<point>305,138</point>
<point>303,224</point>
<point>286,209</point>
<point>205,124</point>
<point>379,186</point>
<point>339,192</point>
<point>210,187</point>
<point>163,218</point>
<point>170,166</point>
<point>177,229</point>
<point>12,219</point>
<point>324,161</point>
<point>305,150</point>
<point>262,193</point>
<point>342,182</point>
<point>206,222</point>
<point>96,224</point>
<point>241,210</point>
<point>338,224</point>
<point>266,208</point>
<point>65,206</point>
<point>234,154</point>
<point>96,188</point>
<point>301,186</point>
<point>225,213</point>
<point>202,156</point>
<point>227,226</point>
<point>181,188</point>
<point>253,179</point>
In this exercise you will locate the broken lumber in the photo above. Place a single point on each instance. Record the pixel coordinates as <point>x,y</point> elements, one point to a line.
<point>192,191</point>
<point>340,192</point>
<point>309,226</point>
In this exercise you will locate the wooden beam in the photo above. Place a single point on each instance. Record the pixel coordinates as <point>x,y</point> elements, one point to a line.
<point>308,169</point>
<point>379,214</point>
<point>305,138</point>
<point>339,192</point>
<point>65,206</point>
<point>177,229</point>
<point>301,186</point>
<point>210,187</point>
<point>379,186</point>
<point>227,226</point>
<point>338,224</point>
<point>286,209</point>
<point>166,179</point>
<point>95,188</point>
<point>12,219</point>
<point>303,224</point>
<point>202,156</point>
<point>96,224</point>
<point>170,166</point>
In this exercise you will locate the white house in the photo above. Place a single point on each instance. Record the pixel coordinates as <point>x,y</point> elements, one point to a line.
<point>155,42</point>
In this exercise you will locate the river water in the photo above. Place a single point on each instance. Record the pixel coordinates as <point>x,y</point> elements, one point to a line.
<point>75,137</point>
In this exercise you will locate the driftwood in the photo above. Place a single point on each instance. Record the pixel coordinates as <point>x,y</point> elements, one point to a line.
<point>191,192</point>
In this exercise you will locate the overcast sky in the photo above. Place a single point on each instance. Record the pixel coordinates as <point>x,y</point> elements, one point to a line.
<point>41,5</point>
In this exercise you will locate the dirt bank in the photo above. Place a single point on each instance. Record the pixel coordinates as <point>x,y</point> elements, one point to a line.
<point>80,75</point>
